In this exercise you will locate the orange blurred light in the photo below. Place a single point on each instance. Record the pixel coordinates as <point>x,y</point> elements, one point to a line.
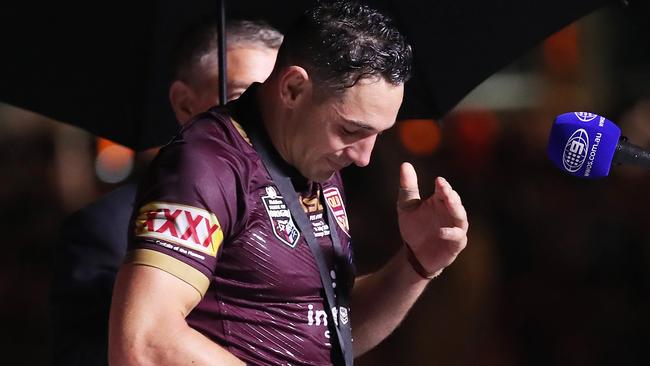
<point>561,53</point>
<point>102,143</point>
<point>419,136</point>
<point>477,130</point>
<point>114,162</point>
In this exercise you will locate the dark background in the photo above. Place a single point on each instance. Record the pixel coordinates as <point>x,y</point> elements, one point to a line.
<point>557,268</point>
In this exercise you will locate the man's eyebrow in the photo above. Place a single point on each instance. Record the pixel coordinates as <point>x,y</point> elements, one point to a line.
<point>359,124</point>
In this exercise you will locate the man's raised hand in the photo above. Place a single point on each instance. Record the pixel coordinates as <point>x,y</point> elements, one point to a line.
<point>434,228</point>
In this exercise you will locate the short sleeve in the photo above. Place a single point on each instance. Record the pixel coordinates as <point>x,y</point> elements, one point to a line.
<point>188,205</point>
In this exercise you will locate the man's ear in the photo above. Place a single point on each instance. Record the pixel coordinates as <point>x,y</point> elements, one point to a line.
<point>294,85</point>
<point>181,97</point>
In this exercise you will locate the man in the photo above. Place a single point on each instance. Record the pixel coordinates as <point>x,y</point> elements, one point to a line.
<point>94,240</point>
<point>217,272</point>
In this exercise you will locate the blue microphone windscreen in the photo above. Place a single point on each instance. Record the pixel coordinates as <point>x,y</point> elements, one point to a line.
<point>583,144</point>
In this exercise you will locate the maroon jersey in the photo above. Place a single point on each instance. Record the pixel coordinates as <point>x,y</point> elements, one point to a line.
<point>209,214</point>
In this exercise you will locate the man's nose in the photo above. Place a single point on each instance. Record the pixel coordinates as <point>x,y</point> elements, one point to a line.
<point>361,150</point>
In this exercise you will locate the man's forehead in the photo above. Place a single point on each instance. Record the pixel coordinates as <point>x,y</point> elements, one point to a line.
<point>370,105</point>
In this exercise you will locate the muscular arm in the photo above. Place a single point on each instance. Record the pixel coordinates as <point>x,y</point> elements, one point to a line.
<point>380,301</point>
<point>147,322</point>
<point>436,231</point>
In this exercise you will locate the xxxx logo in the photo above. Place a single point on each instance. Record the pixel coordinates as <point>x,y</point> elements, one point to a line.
<point>191,227</point>
<point>335,203</point>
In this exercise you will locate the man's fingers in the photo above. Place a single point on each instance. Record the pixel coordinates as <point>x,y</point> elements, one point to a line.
<point>443,189</point>
<point>409,193</point>
<point>408,179</point>
<point>452,201</point>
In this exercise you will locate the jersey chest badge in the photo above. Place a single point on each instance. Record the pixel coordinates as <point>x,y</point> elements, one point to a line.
<point>281,221</point>
<point>335,203</point>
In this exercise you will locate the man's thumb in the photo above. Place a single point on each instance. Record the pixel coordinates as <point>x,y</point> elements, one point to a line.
<point>409,194</point>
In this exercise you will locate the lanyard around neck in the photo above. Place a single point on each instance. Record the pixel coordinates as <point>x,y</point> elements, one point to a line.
<point>338,300</point>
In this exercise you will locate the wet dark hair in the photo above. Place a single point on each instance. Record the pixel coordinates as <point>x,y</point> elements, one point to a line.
<point>201,40</point>
<point>342,42</point>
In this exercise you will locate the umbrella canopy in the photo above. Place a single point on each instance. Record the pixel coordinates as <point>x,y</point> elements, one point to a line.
<point>107,70</point>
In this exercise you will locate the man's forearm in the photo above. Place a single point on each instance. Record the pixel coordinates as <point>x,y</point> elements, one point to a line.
<point>381,300</point>
<point>181,347</point>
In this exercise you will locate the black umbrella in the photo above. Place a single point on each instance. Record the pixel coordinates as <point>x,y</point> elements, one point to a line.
<point>106,69</point>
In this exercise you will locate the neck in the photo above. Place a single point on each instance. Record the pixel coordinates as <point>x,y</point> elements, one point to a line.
<point>274,119</point>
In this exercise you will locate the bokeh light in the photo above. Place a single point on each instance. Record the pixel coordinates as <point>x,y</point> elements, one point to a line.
<point>561,53</point>
<point>419,136</point>
<point>114,162</point>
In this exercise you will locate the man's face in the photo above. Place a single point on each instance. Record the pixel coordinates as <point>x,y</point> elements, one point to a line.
<point>333,132</point>
<point>246,64</point>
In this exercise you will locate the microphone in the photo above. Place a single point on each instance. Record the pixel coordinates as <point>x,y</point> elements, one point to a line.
<point>585,145</point>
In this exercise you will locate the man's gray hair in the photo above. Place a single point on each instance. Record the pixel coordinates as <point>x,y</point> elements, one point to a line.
<point>202,40</point>
<point>247,31</point>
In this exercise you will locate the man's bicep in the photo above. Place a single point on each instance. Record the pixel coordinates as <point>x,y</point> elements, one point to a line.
<point>149,292</point>
<point>148,322</point>
<point>148,305</point>
<point>173,264</point>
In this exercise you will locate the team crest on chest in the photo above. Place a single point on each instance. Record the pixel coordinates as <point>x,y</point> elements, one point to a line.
<point>335,203</point>
<point>281,221</point>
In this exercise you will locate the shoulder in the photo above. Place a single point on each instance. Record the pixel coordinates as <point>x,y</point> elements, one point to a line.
<point>216,128</point>
<point>209,166</point>
<point>209,146</point>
